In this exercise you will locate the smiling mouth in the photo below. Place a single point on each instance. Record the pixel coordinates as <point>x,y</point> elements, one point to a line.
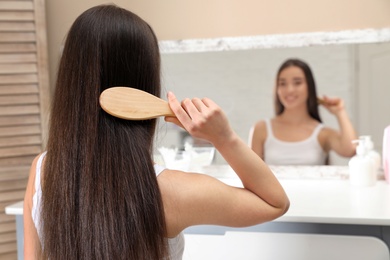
<point>289,99</point>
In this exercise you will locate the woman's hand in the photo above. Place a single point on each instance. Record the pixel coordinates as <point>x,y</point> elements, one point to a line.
<point>333,105</point>
<point>202,118</point>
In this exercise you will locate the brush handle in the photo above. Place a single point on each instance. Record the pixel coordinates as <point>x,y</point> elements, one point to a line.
<point>133,104</point>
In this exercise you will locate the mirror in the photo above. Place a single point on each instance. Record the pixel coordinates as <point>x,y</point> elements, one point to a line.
<point>239,74</point>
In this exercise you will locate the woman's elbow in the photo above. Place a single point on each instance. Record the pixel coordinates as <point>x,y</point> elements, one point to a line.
<point>286,206</point>
<point>283,208</point>
<point>348,152</point>
<point>280,209</point>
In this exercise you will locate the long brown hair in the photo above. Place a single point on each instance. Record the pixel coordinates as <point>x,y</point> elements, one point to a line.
<point>312,104</point>
<point>100,194</point>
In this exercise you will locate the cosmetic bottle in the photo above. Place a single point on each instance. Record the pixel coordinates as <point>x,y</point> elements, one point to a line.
<point>362,171</point>
<point>386,154</point>
<point>369,145</point>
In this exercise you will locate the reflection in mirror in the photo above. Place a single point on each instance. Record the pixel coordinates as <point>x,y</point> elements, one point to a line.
<point>242,83</point>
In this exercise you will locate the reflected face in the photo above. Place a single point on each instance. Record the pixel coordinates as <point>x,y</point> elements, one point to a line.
<point>292,87</point>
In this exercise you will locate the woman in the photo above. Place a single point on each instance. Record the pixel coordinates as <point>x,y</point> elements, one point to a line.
<point>296,135</point>
<point>96,193</point>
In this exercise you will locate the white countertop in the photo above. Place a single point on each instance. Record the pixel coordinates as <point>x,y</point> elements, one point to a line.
<point>323,194</point>
<point>15,209</point>
<point>337,202</point>
<point>317,195</point>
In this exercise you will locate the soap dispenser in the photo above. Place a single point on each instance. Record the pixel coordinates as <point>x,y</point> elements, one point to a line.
<point>386,154</point>
<point>362,171</point>
<point>371,152</point>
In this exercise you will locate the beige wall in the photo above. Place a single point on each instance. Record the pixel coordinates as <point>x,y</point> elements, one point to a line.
<point>177,19</point>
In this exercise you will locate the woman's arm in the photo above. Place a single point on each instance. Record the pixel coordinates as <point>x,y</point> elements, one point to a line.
<point>257,136</point>
<point>200,199</point>
<point>340,141</point>
<point>30,233</point>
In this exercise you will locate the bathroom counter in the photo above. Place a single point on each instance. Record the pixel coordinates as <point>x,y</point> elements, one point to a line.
<point>321,201</point>
<point>302,172</point>
<point>322,194</point>
<point>336,202</point>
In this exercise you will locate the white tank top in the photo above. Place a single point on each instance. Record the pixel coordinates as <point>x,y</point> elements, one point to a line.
<point>305,152</point>
<point>176,244</point>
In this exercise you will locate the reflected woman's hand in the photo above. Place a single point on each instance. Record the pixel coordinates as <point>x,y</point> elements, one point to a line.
<point>334,105</point>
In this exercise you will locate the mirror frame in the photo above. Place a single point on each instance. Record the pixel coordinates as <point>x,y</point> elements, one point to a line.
<point>275,41</point>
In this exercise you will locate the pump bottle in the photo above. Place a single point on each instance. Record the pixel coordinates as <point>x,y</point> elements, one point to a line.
<point>362,171</point>
<point>371,152</point>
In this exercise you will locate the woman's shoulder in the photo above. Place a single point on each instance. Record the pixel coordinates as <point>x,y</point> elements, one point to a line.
<point>178,179</point>
<point>259,130</point>
<point>327,131</point>
<point>261,125</point>
<point>182,194</point>
<point>325,135</point>
<point>37,160</point>
<point>30,189</point>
